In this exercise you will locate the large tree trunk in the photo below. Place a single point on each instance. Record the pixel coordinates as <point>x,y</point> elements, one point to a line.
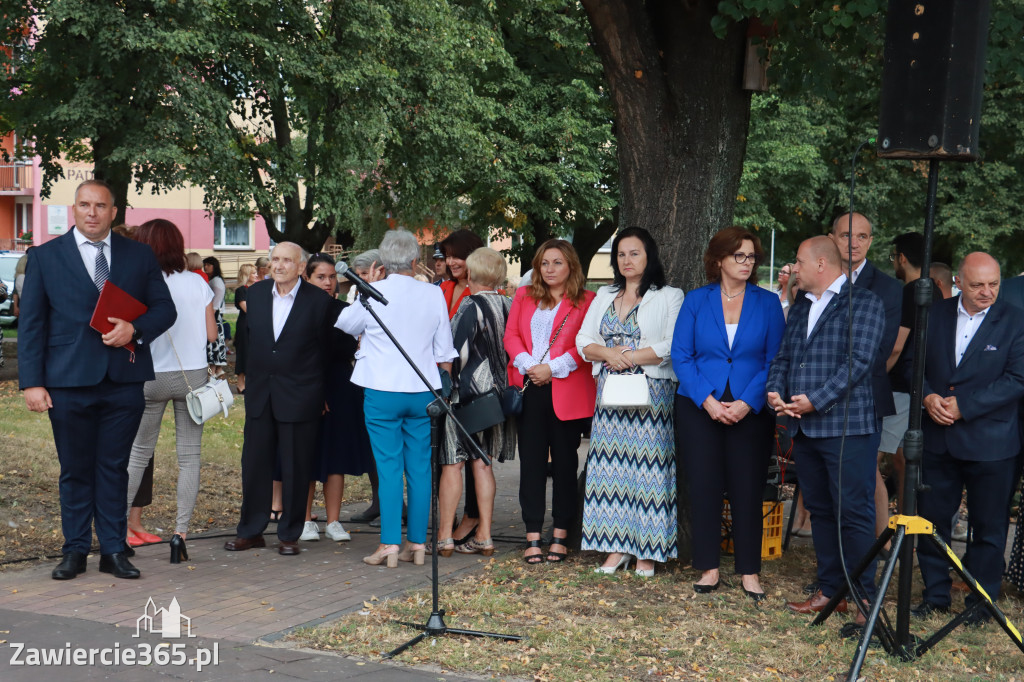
<point>117,175</point>
<point>681,121</point>
<point>681,127</point>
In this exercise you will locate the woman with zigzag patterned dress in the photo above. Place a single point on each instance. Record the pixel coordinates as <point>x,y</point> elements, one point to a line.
<point>630,499</point>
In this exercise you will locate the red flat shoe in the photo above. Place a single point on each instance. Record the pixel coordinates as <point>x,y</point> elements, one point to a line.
<point>134,541</point>
<point>146,538</point>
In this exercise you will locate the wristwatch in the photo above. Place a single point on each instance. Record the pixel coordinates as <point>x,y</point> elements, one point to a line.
<point>136,335</point>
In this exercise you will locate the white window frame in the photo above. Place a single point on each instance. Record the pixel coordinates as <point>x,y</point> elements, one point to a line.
<point>218,235</point>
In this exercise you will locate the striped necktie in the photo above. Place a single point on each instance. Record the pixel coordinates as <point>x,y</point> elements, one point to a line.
<point>102,271</point>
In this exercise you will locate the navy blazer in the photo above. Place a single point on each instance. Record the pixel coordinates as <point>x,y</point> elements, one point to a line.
<point>56,346</point>
<point>988,382</point>
<point>818,365</point>
<point>288,375</point>
<point>701,357</point>
<point>890,290</point>
<point>1012,291</point>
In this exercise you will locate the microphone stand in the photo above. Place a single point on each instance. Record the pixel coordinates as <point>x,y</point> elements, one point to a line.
<point>436,410</point>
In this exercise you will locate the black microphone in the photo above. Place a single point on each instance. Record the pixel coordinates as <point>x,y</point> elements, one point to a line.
<point>364,287</point>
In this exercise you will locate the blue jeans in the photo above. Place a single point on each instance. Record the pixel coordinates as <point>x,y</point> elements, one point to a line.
<point>818,472</point>
<point>399,431</point>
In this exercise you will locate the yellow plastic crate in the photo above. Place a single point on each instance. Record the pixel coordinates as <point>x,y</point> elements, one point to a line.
<point>771,537</point>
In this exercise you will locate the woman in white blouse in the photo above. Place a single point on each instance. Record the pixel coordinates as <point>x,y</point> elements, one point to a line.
<point>179,363</point>
<point>630,501</point>
<point>395,399</point>
<point>558,396</point>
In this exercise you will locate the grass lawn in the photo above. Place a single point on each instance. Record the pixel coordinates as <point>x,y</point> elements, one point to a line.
<point>579,625</point>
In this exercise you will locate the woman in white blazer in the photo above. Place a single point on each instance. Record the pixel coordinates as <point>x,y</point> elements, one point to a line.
<point>630,500</point>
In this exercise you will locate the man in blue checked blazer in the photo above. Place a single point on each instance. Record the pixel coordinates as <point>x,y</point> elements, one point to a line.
<point>809,380</point>
<point>974,380</point>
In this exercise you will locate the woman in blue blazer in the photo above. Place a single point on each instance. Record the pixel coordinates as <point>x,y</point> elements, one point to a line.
<point>725,338</point>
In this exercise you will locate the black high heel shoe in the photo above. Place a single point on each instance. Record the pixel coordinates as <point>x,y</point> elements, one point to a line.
<point>178,551</point>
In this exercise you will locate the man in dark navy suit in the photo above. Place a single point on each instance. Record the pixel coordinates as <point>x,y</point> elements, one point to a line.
<point>89,383</point>
<point>853,234</point>
<point>974,380</point>
<point>809,380</point>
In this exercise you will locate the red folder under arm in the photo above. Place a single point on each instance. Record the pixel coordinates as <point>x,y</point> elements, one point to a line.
<point>116,302</point>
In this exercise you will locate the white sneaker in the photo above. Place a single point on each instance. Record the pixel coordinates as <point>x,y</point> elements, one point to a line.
<point>310,531</point>
<point>337,532</point>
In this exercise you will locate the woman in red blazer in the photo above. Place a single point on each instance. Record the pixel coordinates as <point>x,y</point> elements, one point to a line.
<point>540,338</point>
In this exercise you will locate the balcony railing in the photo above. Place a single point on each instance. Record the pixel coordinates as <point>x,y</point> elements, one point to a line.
<point>15,176</point>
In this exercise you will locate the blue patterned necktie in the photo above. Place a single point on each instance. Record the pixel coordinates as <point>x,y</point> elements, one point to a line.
<point>102,271</point>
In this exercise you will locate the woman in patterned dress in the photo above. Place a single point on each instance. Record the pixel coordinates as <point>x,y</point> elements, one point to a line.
<point>630,502</point>
<point>725,339</point>
<point>216,351</point>
<point>477,329</point>
<point>1015,569</point>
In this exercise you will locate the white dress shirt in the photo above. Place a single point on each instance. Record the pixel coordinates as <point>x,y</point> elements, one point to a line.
<point>418,317</point>
<point>282,307</point>
<point>818,304</point>
<point>542,326</point>
<point>966,327</point>
<point>856,273</point>
<point>89,252</point>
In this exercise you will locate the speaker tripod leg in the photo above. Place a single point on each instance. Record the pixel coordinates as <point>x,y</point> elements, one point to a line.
<point>885,636</point>
<point>984,602</point>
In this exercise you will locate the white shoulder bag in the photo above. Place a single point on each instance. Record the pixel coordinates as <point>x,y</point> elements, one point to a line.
<point>207,401</point>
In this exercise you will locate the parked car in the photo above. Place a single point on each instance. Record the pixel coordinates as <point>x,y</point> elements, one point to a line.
<point>8,262</point>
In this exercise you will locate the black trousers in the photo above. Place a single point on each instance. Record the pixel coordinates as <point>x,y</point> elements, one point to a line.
<point>989,489</point>
<point>540,431</point>
<point>293,445</point>
<point>724,460</point>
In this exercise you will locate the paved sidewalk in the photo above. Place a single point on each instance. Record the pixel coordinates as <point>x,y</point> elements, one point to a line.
<point>246,602</point>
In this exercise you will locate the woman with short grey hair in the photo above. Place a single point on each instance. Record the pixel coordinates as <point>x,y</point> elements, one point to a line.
<point>398,252</point>
<point>395,399</point>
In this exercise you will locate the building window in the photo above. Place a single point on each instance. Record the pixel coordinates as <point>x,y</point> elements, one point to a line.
<point>232,233</point>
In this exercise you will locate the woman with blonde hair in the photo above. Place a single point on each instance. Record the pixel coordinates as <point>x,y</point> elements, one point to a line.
<point>559,391</point>
<point>478,330</point>
<point>246,278</point>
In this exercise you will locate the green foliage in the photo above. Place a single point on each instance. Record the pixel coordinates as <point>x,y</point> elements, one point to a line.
<point>337,116</point>
<point>825,102</point>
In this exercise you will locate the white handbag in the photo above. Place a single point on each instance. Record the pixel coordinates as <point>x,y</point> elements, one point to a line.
<point>626,391</point>
<point>207,401</point>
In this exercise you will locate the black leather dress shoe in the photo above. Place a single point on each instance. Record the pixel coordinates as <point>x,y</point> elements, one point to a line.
<point>978,618</point>
<point>70,566</point>
<point>926,608</point>
<point>117,564</point>
<point>128,550</point>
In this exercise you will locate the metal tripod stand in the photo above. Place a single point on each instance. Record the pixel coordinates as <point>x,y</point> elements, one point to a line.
<point>899,642</point>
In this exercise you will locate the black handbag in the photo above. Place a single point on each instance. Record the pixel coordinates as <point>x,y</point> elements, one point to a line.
<point>512,401</point>
<point>481,413</point>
